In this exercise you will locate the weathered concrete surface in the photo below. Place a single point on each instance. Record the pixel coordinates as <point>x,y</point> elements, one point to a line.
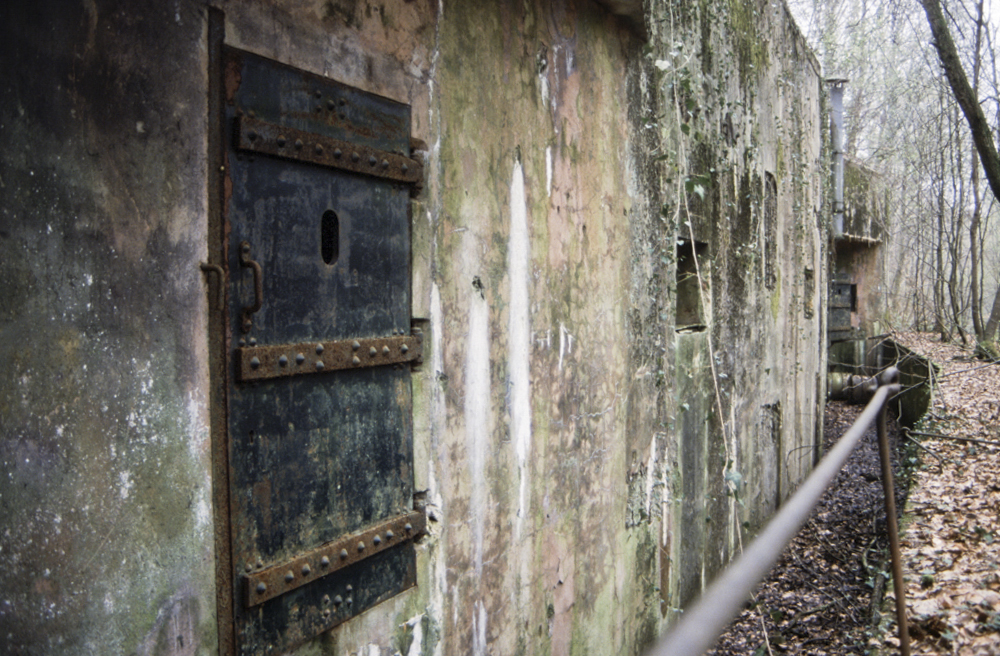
<point>106,539</point>
<point>741,100</point>
<point>587,467</point>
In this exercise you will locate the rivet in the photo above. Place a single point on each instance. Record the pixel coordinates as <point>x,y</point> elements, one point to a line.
<point>385,350</point>
<point>289,577</point>
<point>355,345</point>
<point>306,570</point>
<point>408,527</point>
<point>404,348</point>
<point>243,342</point>
<point>343,554</point>
<point>343,101</point>
<point>260,564</point>
<point>249,567</point>
<point>330,105</point>
<point>376,540</point>
<point>350,600</point>
<point>349,588</point>
<point>338,600</point>
<point>252,341</point>
<point>299,358</point>
<point>385,163</point>
<point>372,352</point>
<point>252,135</point>
<point>361,546</point>
<point>261,588</point>
<point>254,362</point>
<point>324,562</point>
<point>355,157</point>
<point>355,360</point>
<point>319,365</point>
<point>245,248</point>
<point>281,141</point>
<point>319,149</point>
<point>337,153</point>
<point>283,361</point>
<point>389,535</point>
<point>326,612</point>
<point>404,168</point>
<point>372,160</point>
<point>298,144</point>
<point>319,349</point>
<point>326,600</point>
<point>317,93</point>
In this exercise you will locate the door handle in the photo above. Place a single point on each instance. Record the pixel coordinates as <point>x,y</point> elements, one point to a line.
<point>258,285</point>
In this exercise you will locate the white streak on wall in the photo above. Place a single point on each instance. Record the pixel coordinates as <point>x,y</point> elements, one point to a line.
<point>438,563</point>
<point>479,629</point>
<point>519,354</point>
<point>477,417</point>
<point>565,344</point>
<point>548,171</point>
<point>543,84</point>
<point>650,475</point>
<point>417,645</point>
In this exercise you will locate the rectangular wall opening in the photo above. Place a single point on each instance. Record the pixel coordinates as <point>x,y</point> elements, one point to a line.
<point>808,292</point>
<point>770,231</point>
<point>691,313</point>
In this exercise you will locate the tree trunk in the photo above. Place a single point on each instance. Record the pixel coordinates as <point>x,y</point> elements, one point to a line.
<point>975,243</point>
<point>964,94</point>
<point>990,332</point>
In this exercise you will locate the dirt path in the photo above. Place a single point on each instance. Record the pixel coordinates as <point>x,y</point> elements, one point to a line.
<point>951,544</point>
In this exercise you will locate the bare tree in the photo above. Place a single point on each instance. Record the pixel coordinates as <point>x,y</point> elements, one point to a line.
<point>982,135</point>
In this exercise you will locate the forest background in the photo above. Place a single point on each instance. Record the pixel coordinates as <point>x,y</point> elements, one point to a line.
<point>908,122</point>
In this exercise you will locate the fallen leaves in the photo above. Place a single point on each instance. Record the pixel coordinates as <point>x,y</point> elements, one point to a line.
<point>817,599</point>
<point>953,516</point>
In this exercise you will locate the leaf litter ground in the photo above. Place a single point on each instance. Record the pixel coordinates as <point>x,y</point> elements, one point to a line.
<point>825,595</point>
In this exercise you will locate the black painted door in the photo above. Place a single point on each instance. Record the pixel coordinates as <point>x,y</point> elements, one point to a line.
<point>318,181</point>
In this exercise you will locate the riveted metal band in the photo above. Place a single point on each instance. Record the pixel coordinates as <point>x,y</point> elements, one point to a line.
<point>276,580</point>
<point>264,362</point>
<point>258,136</point>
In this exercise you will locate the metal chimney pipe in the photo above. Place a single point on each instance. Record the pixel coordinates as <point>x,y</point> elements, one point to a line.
<point>837,130</point>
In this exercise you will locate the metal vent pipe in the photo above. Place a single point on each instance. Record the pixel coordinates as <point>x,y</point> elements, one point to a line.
<point>837,130</point>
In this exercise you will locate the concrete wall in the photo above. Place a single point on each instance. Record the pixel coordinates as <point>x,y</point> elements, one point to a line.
<point>106,545</point>
<point>741,124</point>
<point>588,466</point>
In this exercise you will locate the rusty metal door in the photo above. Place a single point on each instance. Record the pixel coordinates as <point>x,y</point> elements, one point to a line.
<point>316,209</point>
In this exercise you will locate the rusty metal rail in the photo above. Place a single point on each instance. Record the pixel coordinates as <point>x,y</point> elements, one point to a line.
<point>700,627</point>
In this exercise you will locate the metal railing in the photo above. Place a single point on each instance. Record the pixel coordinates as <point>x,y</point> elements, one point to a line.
<point>701,625</point>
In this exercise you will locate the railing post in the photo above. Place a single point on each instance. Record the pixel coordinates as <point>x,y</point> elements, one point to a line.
<point>888,377</point>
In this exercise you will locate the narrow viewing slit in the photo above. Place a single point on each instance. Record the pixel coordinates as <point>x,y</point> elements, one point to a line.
<point>330,237</point>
